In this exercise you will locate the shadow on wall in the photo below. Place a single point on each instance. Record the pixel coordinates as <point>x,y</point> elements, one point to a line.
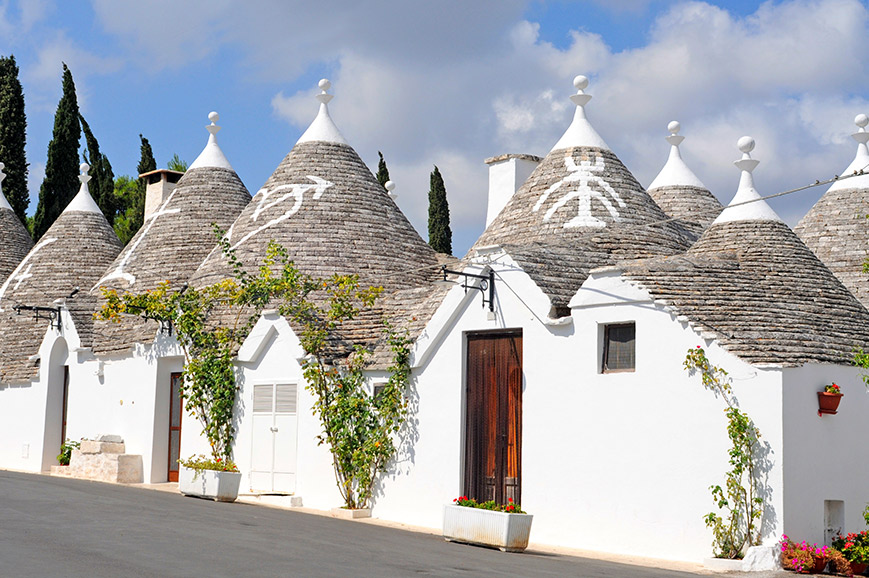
<point>763,467</point>
<point>408,436</point>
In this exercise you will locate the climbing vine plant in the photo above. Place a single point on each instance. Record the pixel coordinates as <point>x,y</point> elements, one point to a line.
<point>738,526</point>
<point>211,323</point>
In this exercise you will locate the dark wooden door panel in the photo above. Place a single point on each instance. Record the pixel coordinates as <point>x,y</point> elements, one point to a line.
<point>493,438</point>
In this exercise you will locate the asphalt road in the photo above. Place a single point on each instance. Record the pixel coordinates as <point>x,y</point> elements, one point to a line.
<point>58,527</point>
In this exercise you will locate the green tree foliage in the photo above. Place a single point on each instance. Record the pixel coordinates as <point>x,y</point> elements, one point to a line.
<point>176,164</point>
<point>382,171</point>
<point>359,428</point>
<point>61,167</point>
<point>102,184</point>
<point>126,191</point>
<point>13,132</point>
<point>135,211</point>
<point>440,237</point>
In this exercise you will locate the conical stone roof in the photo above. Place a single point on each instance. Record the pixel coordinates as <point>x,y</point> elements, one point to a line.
<point>72,254</point>
<point>836,228</point>
<point>581,208</point>
<point>16,240</point>
<point>173,241</point>
<point>324,206</point>
<point>680,193</point>
<point>750,283</point>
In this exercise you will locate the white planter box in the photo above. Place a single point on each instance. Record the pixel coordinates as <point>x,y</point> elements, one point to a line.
<point>508,532</point>
<point>211,484</point>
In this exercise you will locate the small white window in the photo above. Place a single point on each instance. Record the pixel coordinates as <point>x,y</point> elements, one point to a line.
<point>619,347</point>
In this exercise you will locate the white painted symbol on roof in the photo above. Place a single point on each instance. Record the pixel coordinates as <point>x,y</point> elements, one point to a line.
<point>118,272</point>
<point>583,173</point>
<point>19,275</point>
<point>269,199</point>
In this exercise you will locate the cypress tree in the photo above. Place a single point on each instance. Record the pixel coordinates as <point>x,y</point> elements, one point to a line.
<point>382,171</point>
<point>440,237</point>
<point>102,185</point>
<point>13,131</point>
<point>61,167</point>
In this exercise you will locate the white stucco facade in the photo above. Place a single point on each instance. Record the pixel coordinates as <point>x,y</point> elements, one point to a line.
<point>615,462</point>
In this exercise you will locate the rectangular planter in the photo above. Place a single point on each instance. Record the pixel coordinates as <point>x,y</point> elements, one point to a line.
<point>210,484</point>
<point>507,532</point>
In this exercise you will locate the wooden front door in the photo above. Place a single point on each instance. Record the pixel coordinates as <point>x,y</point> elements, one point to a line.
<point>175,411</point>
<point>493,436</point>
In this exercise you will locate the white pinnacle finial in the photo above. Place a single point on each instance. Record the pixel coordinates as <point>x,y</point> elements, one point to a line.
<point>675,172</point>
<point>747,164</point>
<point>860,164</point>
<point>83,202</point>
<point>390,186</point>
<point>861,136</point>
<point>211,155</point>
<point>4,204</point>
<point>324,85</point>
<point>323,128</point>
<point>747,204</point>
<point>580,133</point>
<point>212,128</point>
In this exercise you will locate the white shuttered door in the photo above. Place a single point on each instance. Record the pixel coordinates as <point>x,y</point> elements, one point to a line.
<point>273,457</point>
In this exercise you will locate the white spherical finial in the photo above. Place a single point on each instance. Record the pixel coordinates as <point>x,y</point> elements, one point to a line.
<point>389,186</point>
<point>745,144</point>
<point>861,120</point>
<point>580,82</point>
<point>213,116</point>
<point>2,166</point>
<point>84,168</point>
<point>324,84</point>
<point>674,127</point>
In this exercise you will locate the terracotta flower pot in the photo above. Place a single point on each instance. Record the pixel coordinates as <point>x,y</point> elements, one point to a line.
<point>820,564</point>
<point>857,568</point>
<point>828,402</point>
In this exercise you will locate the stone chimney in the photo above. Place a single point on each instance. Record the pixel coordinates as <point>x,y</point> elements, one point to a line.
<point>506,175</point>
<point>161,183</point>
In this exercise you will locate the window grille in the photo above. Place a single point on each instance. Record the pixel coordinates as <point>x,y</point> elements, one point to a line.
<point>619,347</point>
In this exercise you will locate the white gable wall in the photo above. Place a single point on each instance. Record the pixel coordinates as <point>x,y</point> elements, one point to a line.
<point>270,355</point>
<point>825,458</point>
<point>616,462</point>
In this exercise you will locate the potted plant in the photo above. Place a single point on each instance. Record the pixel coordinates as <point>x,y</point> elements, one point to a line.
<point>502,526</point>
<point>828,400</point>
<point>66,451</point>
<point>209,477</point>
<point>803,558</point>
<point>855,548</point>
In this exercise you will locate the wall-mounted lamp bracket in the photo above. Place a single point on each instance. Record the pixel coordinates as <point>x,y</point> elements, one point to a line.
<point>486,286</point>
<point>50,313</point>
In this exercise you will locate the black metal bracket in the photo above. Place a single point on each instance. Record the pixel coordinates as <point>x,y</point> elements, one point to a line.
<point>486,286</point>
<point>50,313</point>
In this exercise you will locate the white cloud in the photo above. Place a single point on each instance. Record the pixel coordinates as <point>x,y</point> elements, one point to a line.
<point>45,74</point>
<point>451,84</point>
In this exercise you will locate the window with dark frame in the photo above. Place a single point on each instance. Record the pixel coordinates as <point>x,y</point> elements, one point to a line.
<point>619,347</point>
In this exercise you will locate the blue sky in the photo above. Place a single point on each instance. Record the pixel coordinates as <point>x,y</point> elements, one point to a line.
<point>452,83</point>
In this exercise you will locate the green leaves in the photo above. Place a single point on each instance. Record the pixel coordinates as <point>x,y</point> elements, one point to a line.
<point>211,323</point>
<point>740,499</point>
